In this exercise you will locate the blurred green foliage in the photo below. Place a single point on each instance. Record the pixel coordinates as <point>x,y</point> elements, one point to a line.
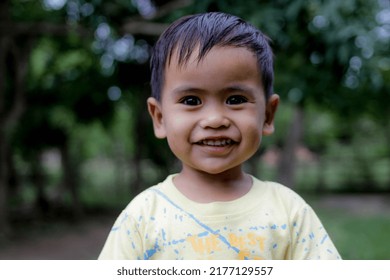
<point>85,137</point>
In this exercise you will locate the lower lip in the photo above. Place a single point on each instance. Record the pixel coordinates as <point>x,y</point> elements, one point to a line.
<point>217,150</point>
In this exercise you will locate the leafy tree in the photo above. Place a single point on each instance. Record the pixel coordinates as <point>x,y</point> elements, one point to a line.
<point>66,63</point>
<point>66,57</point>
<point>42,87</point>
<point>330,53</point>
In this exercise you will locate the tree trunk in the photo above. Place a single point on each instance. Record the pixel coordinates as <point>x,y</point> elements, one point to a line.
<point>71,181</point>
<point>38,179</point>
<point>4,225</point>
<point>10,113</point>
<point>4,42</point>
<point>287,163</point>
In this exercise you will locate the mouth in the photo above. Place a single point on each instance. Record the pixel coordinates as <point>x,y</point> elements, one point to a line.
<point>221,142</point>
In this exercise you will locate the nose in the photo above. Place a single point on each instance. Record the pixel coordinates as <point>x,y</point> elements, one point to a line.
<point>214,117</point>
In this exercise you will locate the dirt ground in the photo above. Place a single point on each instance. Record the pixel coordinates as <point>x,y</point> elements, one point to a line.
<point>83,241</point>
<point>79,241</point>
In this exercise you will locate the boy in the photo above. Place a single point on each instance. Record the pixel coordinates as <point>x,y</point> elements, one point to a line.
<point>212,98</point>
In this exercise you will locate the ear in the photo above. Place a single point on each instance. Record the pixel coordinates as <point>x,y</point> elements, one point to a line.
<point>270,110</point>
<point>154,108</point>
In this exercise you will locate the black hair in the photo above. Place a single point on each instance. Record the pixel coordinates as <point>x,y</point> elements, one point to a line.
<point>206,31</point>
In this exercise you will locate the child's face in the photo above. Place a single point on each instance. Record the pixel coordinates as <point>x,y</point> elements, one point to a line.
<point>213,112</point>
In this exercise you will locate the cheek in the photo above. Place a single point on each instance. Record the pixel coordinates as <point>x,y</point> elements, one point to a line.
<point>178,128</point>
<point>252,123</point>
<point>178,135</point>
<point>251,128</point>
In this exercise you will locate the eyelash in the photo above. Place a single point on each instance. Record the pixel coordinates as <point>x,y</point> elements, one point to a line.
<point>238,98</point>
<point>195,101</point>
<point>187,100</point>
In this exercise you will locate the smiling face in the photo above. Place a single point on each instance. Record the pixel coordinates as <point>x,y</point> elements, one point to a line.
<point>213,112</point>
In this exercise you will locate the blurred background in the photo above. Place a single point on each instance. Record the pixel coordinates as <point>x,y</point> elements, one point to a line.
<point>76,141</point>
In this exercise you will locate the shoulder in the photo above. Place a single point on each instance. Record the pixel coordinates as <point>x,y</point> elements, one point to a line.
<point>150,198</point>
<point>278,194</point>
<point>275,188</point>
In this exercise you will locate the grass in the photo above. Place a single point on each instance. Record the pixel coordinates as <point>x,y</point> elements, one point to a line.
<point>358,237</point>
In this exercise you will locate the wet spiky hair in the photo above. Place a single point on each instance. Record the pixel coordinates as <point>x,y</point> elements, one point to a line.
<point>203,32</point>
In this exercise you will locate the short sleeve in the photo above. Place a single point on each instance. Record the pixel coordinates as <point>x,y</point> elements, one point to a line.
<point>123,241</point>
<point>310,241</point>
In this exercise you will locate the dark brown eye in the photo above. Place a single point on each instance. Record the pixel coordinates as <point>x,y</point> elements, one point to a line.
<point>191,100</point>
<point>236,99</point>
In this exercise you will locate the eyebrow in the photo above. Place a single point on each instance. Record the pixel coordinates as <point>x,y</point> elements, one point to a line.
<point>234,87</point>
<point>239,87</point>
<point>186,88</point>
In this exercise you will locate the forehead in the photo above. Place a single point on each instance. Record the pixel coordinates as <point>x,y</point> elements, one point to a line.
<point>218,68</point>
<point>179,57</point>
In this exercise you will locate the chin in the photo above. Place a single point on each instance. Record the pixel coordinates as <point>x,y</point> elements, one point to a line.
<point>217,171</point>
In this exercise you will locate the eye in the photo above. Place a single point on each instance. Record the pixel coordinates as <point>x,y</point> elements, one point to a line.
<point>236,99</point>
<point>191,100</point>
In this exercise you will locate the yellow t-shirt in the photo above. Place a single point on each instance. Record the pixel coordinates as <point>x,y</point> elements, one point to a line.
<point>269,222</point>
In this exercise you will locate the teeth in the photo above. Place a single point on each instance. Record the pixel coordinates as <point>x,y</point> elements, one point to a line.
<point>217,143</point>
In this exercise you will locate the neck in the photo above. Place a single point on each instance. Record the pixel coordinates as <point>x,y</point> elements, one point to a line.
<point>205,187</point>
